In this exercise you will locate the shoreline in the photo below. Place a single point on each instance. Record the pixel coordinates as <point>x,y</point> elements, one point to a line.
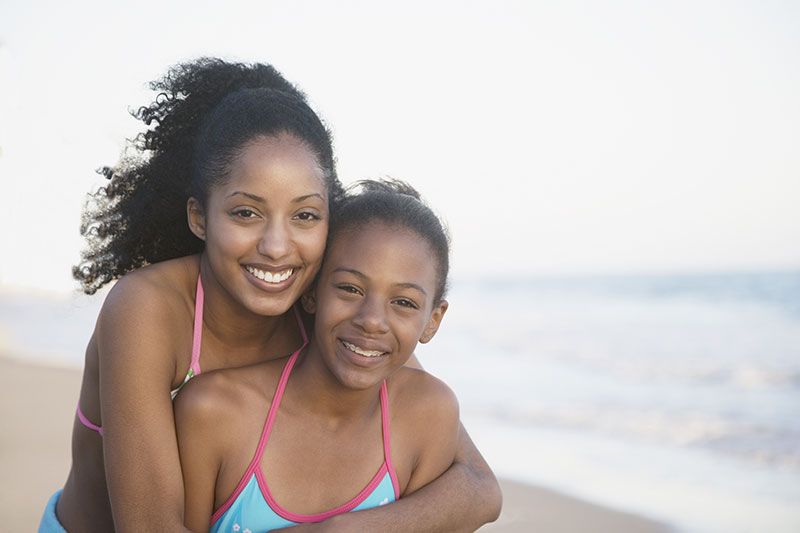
<point>37,406</point>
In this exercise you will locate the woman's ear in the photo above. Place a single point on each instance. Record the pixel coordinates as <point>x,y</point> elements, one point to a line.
<point>434,322</point>
<point>196,216</point>
<point>309,301</point>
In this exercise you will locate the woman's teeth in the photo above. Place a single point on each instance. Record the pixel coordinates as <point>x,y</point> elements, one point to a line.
<point>360,351</point>
<point>270,277</point>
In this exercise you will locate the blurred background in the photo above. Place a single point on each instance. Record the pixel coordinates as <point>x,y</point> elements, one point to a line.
<point>621,180</point>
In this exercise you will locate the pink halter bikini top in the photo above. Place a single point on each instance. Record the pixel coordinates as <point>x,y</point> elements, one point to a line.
<point>194,366</point>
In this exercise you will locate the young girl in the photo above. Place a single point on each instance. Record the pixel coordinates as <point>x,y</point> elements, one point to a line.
<point>235,150</point>
<point>345,425</point>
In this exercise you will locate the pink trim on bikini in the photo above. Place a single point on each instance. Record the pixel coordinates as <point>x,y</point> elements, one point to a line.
<point>344,508</point>
<point>254,469</point>
<point>262,442</point>
<point>387,437</point>
<point>86,422</point>
<point>198,327</point>
<point>194,365</point>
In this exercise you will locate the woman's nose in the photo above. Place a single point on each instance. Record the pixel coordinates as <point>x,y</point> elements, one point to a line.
<point>276,241</point>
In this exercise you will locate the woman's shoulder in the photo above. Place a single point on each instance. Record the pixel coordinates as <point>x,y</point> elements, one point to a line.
<point>167,286</point>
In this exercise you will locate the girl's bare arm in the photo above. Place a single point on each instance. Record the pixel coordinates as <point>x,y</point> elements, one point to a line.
<point>199,408</point>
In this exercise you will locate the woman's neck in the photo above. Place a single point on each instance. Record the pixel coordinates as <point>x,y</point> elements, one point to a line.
<point>231,323</point>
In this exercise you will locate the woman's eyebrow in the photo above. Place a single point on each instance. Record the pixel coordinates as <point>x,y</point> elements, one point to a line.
<point>248,195</point>
<point>257,198</point>
<point>306,197</point>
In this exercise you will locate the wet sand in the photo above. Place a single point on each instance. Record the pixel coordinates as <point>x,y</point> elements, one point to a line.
<point>37,406</point>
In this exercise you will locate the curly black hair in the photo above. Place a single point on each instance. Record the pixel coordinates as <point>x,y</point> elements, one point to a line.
<point>396,204</point>
<point>205,111</point>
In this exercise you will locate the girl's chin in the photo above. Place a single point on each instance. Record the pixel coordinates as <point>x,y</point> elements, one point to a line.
<point>355,380</point>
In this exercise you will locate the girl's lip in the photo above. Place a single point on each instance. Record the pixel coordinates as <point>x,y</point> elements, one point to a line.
<point>364,344</point>
<point>356,359</point>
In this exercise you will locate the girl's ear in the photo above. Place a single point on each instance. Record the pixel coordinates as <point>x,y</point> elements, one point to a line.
<point>434,322</point>
<point>309,301</point>
<point>197,218</point>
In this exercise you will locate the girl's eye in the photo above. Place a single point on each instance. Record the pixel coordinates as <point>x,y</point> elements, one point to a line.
<point>348,289</point>
<point>405,302</point>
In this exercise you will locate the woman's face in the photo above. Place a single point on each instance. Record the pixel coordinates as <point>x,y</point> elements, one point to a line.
<point>374,302</point>
<point>265,228</point>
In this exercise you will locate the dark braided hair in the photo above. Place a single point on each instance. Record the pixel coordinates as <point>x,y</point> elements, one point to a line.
<point>205,112</point>
<point>396,204</point>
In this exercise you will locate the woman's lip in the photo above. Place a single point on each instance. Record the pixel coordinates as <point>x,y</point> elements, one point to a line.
<point>271,268</point>
<point>271,287</point>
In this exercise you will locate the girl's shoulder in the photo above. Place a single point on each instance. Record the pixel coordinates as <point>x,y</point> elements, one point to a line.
<point>418,399</point>
<point>416,394</point>
<point>210,398</point>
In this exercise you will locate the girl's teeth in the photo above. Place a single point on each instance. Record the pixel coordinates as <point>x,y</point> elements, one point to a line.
<point>270,277</point>
<point>359,351</point>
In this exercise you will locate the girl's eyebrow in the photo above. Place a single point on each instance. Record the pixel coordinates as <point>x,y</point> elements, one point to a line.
<point>412,286</point>
<point>362,276</point>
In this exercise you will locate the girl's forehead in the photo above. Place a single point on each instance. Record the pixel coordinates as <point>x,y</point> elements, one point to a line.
<point>379,234</point>
<point>381,249</point>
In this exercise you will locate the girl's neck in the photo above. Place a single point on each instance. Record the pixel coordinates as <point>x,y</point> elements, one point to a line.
<point>323,395</point>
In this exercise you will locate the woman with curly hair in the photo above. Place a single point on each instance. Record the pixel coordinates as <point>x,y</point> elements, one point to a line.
<point>237,151</point>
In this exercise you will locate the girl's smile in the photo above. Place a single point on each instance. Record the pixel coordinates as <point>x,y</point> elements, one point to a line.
<point>374,302</point>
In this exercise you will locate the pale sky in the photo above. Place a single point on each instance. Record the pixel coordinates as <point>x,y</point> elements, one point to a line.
<point>554,137</point>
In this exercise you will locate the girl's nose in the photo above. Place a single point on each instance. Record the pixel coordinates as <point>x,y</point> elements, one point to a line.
<point>371,317</point>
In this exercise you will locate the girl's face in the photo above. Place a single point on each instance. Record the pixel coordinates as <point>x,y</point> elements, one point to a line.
<point>265,228</point>
<point>374,302</point>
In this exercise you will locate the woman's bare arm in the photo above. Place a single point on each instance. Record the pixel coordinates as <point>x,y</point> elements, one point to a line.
<point>137,366</point>
<point>462,499</point>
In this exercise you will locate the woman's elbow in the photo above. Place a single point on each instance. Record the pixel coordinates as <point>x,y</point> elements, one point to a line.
<point>491,495</point>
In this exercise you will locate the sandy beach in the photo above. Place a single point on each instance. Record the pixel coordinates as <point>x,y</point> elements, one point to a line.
<point>37,405</point>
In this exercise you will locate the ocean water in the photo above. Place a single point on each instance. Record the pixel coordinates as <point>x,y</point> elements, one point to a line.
<point>677,397</point>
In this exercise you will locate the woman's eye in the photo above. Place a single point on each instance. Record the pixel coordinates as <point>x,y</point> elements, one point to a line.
<point>244,213</point>
<point>307,215</point>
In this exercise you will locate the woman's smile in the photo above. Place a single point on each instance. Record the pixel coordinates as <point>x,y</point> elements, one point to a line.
<point>271,279</point>
<point>266,226</point>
